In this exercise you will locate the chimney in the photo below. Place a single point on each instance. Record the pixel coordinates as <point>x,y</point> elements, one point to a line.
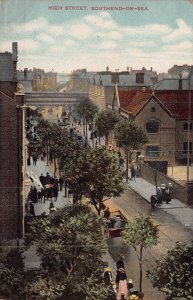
<point>15,59</point>
<point>25,73</point>
<point>151,68</point>
<point>180,82</point>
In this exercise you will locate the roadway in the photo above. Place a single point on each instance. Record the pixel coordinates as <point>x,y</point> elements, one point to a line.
<point>170,232</point>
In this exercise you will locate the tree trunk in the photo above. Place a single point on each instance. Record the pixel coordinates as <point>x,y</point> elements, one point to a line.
<point>127,165</point>
<point>96,207</point>
<point>106,140</point>
<point>140,269</point>
<point>156,180</point>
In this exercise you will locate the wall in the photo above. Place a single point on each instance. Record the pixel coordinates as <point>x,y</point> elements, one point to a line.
<point>180,190</point>
<point>166,137</point>
<point>10,169</point>
<point>182,136</point>
<point>6,67</point>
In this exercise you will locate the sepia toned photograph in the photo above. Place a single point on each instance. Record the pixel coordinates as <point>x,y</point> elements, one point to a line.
<point>96,149</point>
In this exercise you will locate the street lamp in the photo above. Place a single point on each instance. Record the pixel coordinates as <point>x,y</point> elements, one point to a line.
<point>189,117</point>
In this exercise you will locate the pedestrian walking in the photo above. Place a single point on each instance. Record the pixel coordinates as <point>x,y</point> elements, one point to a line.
<point>108,276</point>
<point>163,192</point>
<point>47,178</point>
<point>120,268</point>
<point>123,297</point>
<point>34,160</point>
<point>42,179</point>
<point>31,209</point>
<point>55,193</point>
<point>61,182</point>
<point>167,195</point>
<point>122,285</point>
<point>39,196</point>
<point>159,195</point>
<point>132,173</point>
<point>52,208</point>
<point>137,170</point>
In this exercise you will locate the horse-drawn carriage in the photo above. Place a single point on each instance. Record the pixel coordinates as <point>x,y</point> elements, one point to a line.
<point>116,223</point>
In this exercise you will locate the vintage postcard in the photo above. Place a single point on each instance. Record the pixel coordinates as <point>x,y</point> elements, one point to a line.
<point>96,149</point>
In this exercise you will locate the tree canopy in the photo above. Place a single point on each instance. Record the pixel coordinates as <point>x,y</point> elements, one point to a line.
<point>140,233</point>
<point>130,137</point>
<point>173,274</point>
<point>11,272</point>
<point>105,122</point>
<point>70,243</point>
<point>87,109</point>
<point>95,173</point>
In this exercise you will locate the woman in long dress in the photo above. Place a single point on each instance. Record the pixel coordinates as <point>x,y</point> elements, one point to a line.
<point>122,287</point>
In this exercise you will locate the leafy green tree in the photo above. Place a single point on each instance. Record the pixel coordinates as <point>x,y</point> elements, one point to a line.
<point>105,122</point>
<point>71,245</point>
<point>130,137</point>
<point>96,175</point>
<point>140,233</point>
<point>86,110</point>
<point>173,272</point>
<point>11,272</point>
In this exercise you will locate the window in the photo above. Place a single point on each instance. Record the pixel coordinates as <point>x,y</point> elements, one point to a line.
<point>152,126</point>
<point>153,109</point>
<point>114,78</point>
<point>186,126</point>
<point>152,151</point>
<point>185,147</point>
<point>140,78</point>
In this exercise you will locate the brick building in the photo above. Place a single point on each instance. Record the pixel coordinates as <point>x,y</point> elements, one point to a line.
<point>164,117</point>
<point>11,134</point>
<point>179,70</point>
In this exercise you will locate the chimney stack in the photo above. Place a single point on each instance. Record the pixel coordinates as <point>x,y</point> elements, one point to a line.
<point>180,82</point>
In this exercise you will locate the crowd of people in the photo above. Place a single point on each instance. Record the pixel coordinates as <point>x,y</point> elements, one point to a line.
<point>123,287</point>
<point>48,190</point>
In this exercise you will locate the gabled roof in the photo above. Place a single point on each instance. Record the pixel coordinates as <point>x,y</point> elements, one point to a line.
<point>139,101</point>
<point>125,97</point>
<point>175,102</point>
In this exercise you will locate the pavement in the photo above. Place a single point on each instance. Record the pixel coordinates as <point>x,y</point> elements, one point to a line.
<point>41,207</point>
<point>179,210</point>
<point>31,258</point>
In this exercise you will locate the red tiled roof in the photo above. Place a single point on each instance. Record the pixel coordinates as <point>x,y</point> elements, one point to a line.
<point>125,97</point>
<point>177,102</point>
<point>138,101</point>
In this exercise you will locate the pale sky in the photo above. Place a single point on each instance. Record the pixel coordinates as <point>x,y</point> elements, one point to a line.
<point>159,36</point>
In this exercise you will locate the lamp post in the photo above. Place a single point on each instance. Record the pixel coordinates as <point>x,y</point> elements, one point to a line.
<point>189,116</point>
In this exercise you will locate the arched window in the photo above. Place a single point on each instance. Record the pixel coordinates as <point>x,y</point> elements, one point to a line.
<point>152,126</point>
